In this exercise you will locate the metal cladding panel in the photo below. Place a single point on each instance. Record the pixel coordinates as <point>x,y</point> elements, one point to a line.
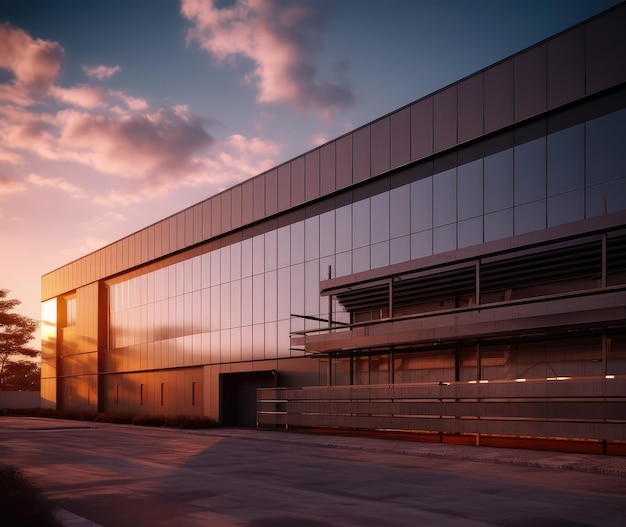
<point>235,207</point>
<point>226,206</point>
<point>297,181</point>
<point>216,216</point>
<point>445,118</point>
<point>470,108</point>
<point>380,145</point>
<point>422,129</point>
<point>284,187</point>
<point>271,192</point>
<point>530,82</point>
<point>566,67</point>
<point>361,154</point>
<point>343,160</point>
<point>499,96</point>
<point>206,219</point>
<point>247,201</point>
<point>606,51</point>
<point>312,175</point>
<point>400,138</point>
<point>327,168</point>
<point>258,198</point>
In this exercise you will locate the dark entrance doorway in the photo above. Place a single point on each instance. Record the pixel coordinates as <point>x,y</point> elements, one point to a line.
<point>238,395</point>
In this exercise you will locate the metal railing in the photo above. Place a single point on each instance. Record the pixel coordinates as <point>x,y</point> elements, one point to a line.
<point>560,408</point>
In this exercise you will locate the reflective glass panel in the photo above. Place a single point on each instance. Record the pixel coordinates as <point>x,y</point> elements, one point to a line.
<point>444,238</point>
<point>327,233</point>
<point>421,244</point>
<point>361,259</point>
<point>400,250</point>
<point>498,225</point>
<point>470,232</point>
<point>246,258</point>
<point>225,266</point>
<point>246,301</point>
<point>312,288</point>
<point>235,261</point>
<point>344,263</point>
<point>470,181</point>
<point>361,223</point>
<point>258,254</point>
<point>530,171</point>
<point>400,211</point>
<point>297,242</point>
<point>422,204</point>
<point>311,238</point>
<point>530,217</point>
<point>379,256</point>
<point>297,289</point>
<point>271,250</point>
<point>380,217</point>
<point>444,197</point>
<point>258,299</point>
<point>566,160</point>
<point>284,246</point>
<point>498,170</point>
<point>608,197</point>
<point>284,288</point>
<point>566,207</point>
<point>271,295</point>
<point>606,152</point>
<point>235,303</point>
<point>343,228</point>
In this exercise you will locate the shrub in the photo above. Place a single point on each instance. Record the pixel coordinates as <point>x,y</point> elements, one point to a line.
<point>22,504</point>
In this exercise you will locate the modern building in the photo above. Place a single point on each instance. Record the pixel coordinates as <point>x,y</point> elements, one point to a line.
<point>456,267</point>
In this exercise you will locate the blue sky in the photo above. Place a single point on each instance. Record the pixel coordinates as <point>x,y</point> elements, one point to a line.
<point>115,114</point>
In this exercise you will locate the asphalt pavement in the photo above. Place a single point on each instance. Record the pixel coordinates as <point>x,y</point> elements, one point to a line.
<point>106,475</point>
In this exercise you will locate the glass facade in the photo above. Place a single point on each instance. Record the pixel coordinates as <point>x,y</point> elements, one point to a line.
<point>240,302</point>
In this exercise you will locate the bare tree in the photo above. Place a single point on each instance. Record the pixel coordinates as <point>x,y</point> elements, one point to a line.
<point>15,332</point>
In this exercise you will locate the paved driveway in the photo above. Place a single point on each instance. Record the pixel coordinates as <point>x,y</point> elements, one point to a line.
<point>119,476</point>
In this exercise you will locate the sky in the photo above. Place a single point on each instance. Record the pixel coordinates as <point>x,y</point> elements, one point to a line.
<point>115,114</point>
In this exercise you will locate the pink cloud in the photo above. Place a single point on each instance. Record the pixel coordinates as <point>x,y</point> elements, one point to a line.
<point>279,38</point>
<point>57,184</point>
<point>10,186</point>
<point>101,72</point>
<point>34,63</point>
<point>160,145</point>
<point>83,96</point>
<point>109,133</point>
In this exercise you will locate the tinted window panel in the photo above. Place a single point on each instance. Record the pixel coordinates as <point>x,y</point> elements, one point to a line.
<point>422,205</point>
<point>343,228</point>
<point>499,181</point>
<point>444,197</point>
<point>470,181</point>
<point>327,233</point>
<point>608,197</point>
<point>566,160</point>
<point>400,250</point>
<point>400,211</point>
<point>380,217</point>
<point>444,238</point>
<point>499,225</point>
<point>530,171</point>
<point>566,207</point>
<point>361,223</point>
<point>530,217</point>
<point>606,148</point>
<point>470,232</point>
